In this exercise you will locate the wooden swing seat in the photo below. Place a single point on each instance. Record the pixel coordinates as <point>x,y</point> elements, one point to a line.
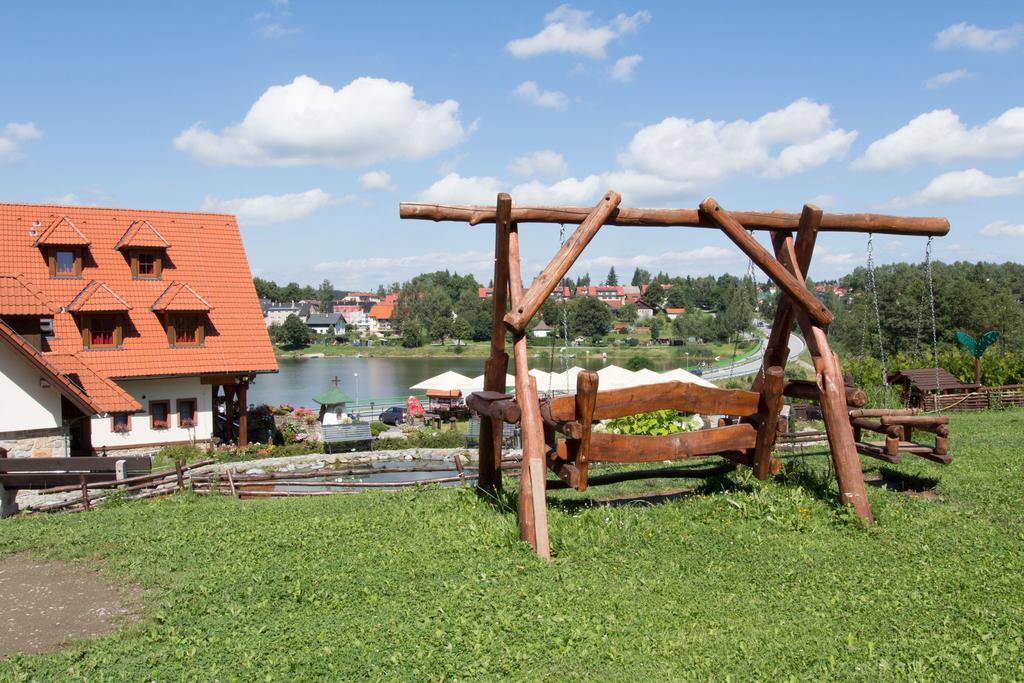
<point>897,425</point>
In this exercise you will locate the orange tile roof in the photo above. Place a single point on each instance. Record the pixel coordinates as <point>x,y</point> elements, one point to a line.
<point>61,232</point>
<point>105,395</point>
<point>205,251</point>
<point>142,234</point>
<point>19,297</point>
<point>68,385</point>
<point>96,297</point>
<point>382,311</point>
<point>180,297</point>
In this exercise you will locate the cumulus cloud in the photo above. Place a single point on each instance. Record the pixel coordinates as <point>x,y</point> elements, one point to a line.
<point>544,163</point>
<point>1003,229</point>
<point>269,209</point>
<point>13,136</point>
<point>946,77</point>
<point>976,38</point>
<point>356,272</point>
<point>570,31</point>
<point>276,30</point>
<point>377,181</point>
<point>939,136</point>
<point>634,187</point>
<point>623,68</point>
<point>824,201</point>
<point>669,260</point>
<point>552,99</point>
<point>368,121</point>
<point>797,138</point>
<point>958,186</point>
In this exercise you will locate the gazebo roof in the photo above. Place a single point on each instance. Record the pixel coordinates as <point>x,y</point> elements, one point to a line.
<point>331,397</point>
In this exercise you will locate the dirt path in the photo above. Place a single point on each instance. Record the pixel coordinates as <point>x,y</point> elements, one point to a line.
<point>44,604</point>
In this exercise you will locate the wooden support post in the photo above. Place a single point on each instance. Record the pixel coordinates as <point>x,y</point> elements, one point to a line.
<point>85,491</point>
<point>491,429</point>
<point>789,283</point>
<point>586,402</point>
<point>767,430</point>
<point>180,473</point>
<point>941,445</point>
<point>832,388</point>
<point>243,414</point>
<point>229,412</point>
<point>524,309</point>
<point>533,519</point>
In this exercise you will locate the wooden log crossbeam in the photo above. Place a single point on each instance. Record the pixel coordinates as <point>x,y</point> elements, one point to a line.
<point>530,302</point>
<point>662,473</point>
<point>692,218</point>
<point>768,412</point>
<point>789,283</point>
<point>629,448</point>
<point>808,391</point>
<point>682,396</point>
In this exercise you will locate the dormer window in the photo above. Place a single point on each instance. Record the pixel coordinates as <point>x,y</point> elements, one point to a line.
<point>102,331</point>
<point>186,329</point>
<point>65,262</point>
<point>147,265</point>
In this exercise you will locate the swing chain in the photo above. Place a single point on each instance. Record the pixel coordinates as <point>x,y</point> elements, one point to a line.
<point>565,326</point>
<point>878,314</point>
<point>931,301</point>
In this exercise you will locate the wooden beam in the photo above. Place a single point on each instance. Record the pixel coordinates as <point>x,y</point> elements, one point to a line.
<point>496,366</point>
<point>796,290</point>
<point>523,311</point>
<point>628,217</point>
<point>586,401</point>
<point>243,415</point>
<point>682,396</point>
<point>808,391</point>
<point>662,473</point>
<point>767,430</point>
<point>605,447</point>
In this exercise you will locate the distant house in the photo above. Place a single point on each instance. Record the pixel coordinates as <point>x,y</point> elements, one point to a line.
<point>644,311</point>
<point>929,388</point>
<point>541,329</point>
<point>364,299</point>
<point>277,313</point>
<point>328,323</point>
<point>673,313</point>
<point>354,315</point>
<point>380,317</point>
<point>120,327</point>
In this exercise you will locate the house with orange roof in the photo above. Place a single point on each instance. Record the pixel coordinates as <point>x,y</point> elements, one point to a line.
<point>124,330</point>
<point>381,316</point>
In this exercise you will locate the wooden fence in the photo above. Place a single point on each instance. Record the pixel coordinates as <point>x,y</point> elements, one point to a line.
<point>986,398</point>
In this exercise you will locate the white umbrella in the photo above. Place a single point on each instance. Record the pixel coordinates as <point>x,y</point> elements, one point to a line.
<point>680,375</point>
<point>477,383</point>
<point>446,381</point>
<point>648,376</point>
<point>614,377</point>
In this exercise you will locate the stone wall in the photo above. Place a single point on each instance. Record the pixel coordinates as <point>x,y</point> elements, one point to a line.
<point>36,444</point>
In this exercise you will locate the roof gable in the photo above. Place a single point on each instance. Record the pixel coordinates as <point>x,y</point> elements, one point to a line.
<point>30,354</point>
<point>62,233</point>
<point>178,296</point>
<point>18,296</point>
<point>142,235</point>
<point>97,297</point>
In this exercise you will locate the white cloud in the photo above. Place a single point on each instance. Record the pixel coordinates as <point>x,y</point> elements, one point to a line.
<point>824,201</point>
<point>669,260</point>
<point>13,135</point>
<point>269,209</point>
<point>1003,229</point>
<point>791,140</point>
<point>377,180</point>
<point>357,272</point>
<point>843,259</point>
<point>634,187</point>
<point>456,189</point>
<point>570,30</point>
<point>976,38</point>
<point>939,136</point>
<point>305,122</point>
<point>958,186</point>
<point>947,77</point>
<point>552,99</point>
<point>276,30</point>
<point>623,68</point>
<point>544,163</point>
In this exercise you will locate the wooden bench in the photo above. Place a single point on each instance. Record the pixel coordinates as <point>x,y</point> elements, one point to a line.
<point>44,473</point>
<point>897,425</point>
<point>355,433</point>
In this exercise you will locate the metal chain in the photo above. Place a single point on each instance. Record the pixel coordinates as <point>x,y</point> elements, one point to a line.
<point>752,274</point>
<point>551,356</point>
<point>931,300</point>
<point>878,313</point>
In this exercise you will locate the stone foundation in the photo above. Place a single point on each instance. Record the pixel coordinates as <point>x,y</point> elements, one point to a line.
<point>44,445</point>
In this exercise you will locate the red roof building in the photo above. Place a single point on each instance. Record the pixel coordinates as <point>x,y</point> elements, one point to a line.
<point>148,313</point>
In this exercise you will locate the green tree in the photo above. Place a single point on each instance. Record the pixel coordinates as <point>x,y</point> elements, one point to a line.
<point>612,279</point>
<point>412,334</point>
<point>589,317</point>
<point>462,329</point>
<point>267,289</point>
<point>629,313</point>
<point>640,277</point>
<point>655,326</point>
<point>294,333</point>
<point>679,328</point>
<point>325,295</point>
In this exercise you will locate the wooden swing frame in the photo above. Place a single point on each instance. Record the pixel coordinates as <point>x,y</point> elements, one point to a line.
<point>746,437</point>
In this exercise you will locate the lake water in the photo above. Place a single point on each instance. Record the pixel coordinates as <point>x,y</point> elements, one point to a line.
<point>385,381</point>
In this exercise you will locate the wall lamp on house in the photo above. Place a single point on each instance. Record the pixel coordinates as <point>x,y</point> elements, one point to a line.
<point>44,383</point>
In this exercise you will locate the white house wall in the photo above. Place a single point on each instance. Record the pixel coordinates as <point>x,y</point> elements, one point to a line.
<point>24,403</point>
<point>146,390</point>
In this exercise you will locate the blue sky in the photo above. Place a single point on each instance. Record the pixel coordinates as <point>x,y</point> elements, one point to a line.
<point>312,120</point>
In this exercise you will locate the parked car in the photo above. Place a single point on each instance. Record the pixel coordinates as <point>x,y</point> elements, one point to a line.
<point>394,415</point>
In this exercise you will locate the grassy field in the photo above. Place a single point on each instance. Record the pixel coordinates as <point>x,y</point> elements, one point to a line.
<point>741,580</point>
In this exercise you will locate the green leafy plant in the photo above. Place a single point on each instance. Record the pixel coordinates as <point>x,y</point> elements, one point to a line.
<point>658,423</point>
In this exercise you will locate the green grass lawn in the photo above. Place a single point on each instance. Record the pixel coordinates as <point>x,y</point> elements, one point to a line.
<point>742,580</point>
